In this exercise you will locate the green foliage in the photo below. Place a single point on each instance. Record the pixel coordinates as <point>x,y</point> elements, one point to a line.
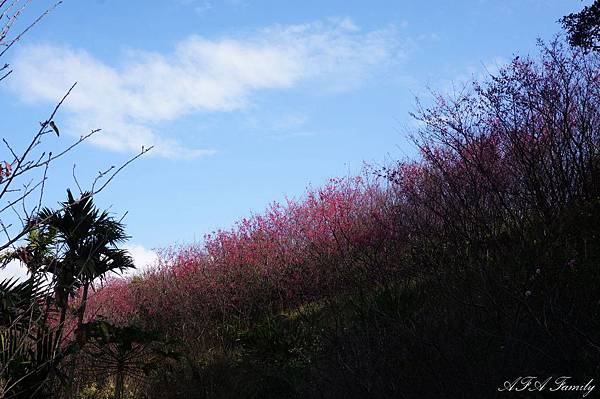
<point>89,238</point>
<point>93,391</point>
<point>26,362</point>
<point>583,28</point>
<point>105,391</point>
<point>15,300</point>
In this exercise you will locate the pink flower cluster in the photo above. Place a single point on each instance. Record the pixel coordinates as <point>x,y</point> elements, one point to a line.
<point>301,250</point>
<point>502,156</point>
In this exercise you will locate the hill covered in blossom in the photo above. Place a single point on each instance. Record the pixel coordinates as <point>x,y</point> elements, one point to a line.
<point>475,262</point>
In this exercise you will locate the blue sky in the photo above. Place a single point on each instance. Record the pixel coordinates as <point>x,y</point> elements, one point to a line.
<point>245,101</point>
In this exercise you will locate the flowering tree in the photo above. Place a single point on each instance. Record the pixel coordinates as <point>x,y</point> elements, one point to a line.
<point>492,233</point>
<point>500,213</point>
<point>518,149</point>
<point>334,240</point>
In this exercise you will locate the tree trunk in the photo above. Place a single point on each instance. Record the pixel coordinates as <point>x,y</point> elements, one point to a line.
<point>61,324</point>
<point>79,333</point>
<point>119,383</point>
<point>83,305</point>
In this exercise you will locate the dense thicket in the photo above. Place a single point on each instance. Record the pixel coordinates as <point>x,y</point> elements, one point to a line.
<point>444,277</point>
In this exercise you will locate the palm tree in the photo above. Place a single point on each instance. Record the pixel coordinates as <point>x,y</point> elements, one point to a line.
<point>77,245</point>
<point>26,345</point>
<point>87,249</point>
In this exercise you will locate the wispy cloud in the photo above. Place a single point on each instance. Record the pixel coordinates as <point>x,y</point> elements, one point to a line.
<point>129,99</point>
<point>202,7</point>
<point>483,70</point>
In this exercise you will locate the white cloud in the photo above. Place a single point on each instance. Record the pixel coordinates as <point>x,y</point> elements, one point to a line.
<point>14,269</point>
<point>129,99</point>
<point>143,258</point>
